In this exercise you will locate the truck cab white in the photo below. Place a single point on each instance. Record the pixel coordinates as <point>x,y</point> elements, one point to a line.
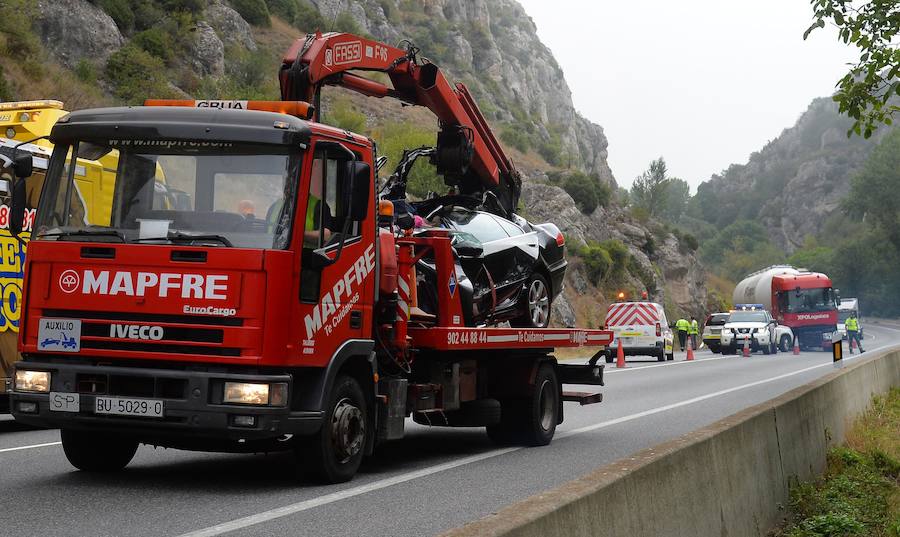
<point>755,327</point>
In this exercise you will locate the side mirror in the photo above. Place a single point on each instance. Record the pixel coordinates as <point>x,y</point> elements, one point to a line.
<point>359,174</point>
<point>23,165</point>
<point>17,205</point>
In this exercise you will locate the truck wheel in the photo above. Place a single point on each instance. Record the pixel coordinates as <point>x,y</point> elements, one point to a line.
<point>785,343</point>
<point>537,304</point>
<point>334,454</point>
<point>96,451</point>
<point>531,420</point>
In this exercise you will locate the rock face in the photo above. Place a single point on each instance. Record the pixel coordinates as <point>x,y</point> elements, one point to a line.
<point>678,279</point>
<point>795,183</point>
<point>231,28</point>
<point>208,52</point>
<point>76,29</point>
<point>491,45</point>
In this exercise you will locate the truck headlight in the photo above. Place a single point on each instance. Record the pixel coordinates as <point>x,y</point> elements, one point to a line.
<point>32,381</point>
<point>251,393</point>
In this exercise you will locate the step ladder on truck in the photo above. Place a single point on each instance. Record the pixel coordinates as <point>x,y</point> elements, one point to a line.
<point>180,324</point>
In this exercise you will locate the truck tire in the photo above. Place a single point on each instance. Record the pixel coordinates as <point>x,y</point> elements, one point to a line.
<point>531,420</point>
<point>334,453</point>
<point>786,344</point>
<point>536,298</point>
<point>97,452</point>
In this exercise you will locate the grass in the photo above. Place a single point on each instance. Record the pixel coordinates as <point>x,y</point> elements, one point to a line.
<point>859,495</point>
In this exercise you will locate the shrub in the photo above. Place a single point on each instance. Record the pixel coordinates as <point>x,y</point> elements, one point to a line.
<point>308,17</point>
<point>155,41</point>
<point>341,114</point>
<point>5,89</point>
<point>191,6</point>
<point>121,13</point>
<point>597,261</point>
<point>345,22</point>
<point>136,75</point>
<point>516,138</point>
<point>392,139</point>
<point>583,191</point>
<point>253,11</point>
<point>86,71</point>
<point>286,9</point>
<point>619,254</point>
<point>16,34</point>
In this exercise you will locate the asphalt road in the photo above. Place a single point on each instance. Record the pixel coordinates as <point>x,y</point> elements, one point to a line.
<point>433,480</point>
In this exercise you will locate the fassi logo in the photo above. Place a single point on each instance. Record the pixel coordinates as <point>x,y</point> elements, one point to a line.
<point>105,282</point>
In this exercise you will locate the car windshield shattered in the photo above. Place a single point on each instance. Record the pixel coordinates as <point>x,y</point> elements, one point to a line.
<point>239,196</point>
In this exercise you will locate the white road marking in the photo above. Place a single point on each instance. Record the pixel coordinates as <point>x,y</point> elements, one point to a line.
<point>287,510</point>
<point>4,450</point>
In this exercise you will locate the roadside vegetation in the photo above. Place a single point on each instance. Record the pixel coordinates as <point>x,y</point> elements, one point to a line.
<point>859,495</point>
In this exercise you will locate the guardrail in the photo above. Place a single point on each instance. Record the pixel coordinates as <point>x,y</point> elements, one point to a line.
<point>725,479</point>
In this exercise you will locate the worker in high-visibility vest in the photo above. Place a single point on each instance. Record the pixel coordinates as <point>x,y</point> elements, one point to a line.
<point>693,332</point>
<point>682,325</point>
<point>852,326</point>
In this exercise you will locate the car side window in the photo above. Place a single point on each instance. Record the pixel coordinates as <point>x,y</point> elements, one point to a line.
<point>511,229</point>
<point>484,227</point>
<point>324,213</point>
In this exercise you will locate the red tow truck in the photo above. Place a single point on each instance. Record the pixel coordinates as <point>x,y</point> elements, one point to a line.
<point>251,292</point>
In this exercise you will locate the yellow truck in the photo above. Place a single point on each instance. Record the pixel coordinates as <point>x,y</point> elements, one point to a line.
<point>21,126</point>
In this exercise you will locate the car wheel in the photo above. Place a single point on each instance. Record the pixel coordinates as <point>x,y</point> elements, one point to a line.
<point>661,357</point>
<point>97,452</point>
<point>767,349</point>
<point>334,453</point>
<point>537,304</point>
<point>786,343</point>
<point>728,350</point>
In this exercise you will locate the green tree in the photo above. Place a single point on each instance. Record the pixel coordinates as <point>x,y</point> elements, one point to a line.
<point>253,11</point>
<point>650,188</point>
<point>308,17</point>
<point>864,93</point>
<point>875,191</point>
<point>678,193</point>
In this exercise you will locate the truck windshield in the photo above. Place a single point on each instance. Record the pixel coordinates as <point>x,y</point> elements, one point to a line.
<point>747,317</point>
<point>214,194</point>
<point>806,300</point>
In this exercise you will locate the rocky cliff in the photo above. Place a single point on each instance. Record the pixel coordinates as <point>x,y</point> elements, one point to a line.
<point>795,183</point>
<point>491,45</point>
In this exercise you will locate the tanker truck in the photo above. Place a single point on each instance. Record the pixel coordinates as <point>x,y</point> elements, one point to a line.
<point>802,300</point>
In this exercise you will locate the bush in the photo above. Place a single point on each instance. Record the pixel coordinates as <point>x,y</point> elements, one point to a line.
<point>86,72</point>
<point>16,34</point>
<point>308,17</point>
<point>516,138</point>
<point>136,75</point>
<point>392,139</point>
<point>286,9</point>
<point>155,41</point>
<point>121,13</point>
<point>341,114</point>
<point>253,11</point>
<point>191,6</point>
<point>619,254</point>
<point>597,261</point>
<point>5,89</point>
<point>346,23</point>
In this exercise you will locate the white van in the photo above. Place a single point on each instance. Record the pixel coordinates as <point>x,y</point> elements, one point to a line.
<point>642,328</point>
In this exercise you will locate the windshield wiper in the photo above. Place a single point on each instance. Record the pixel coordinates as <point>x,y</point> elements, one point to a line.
<point>85,233</point>
<point>178,236</point>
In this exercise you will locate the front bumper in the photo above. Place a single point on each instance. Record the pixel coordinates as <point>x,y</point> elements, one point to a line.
<point>737,341</point>
<point>193,407</point>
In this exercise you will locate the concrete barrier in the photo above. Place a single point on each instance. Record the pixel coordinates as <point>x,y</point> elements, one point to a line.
<point>728,479</point>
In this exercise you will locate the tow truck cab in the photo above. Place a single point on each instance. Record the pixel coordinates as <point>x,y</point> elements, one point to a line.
<point>203,291</point>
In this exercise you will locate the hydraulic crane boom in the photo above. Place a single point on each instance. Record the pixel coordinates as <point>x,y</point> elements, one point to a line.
<point>467,152</point>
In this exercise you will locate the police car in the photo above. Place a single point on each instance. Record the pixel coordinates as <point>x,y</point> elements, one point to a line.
<point>749,324</point>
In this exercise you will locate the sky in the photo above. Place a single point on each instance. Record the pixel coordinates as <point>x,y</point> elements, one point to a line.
<point>702,83</point>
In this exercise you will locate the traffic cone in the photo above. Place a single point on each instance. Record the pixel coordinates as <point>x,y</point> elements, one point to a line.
<point>620,356</point>
<point>690,353</point>
<point>746,352</point>
<point>796,346</point>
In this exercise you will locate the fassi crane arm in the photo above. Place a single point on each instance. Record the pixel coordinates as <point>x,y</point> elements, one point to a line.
<point>467,153</point>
